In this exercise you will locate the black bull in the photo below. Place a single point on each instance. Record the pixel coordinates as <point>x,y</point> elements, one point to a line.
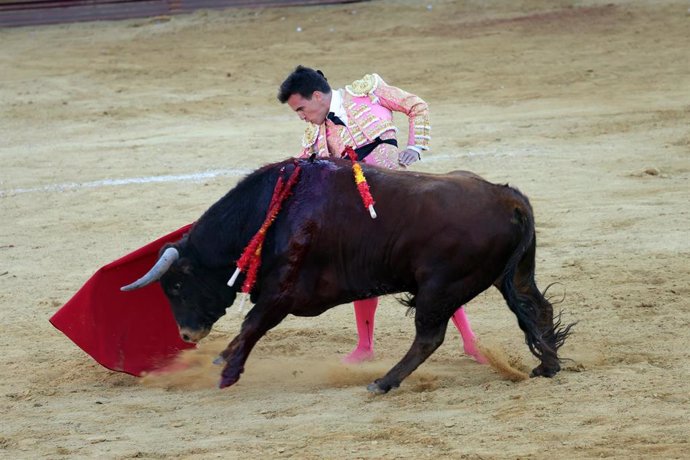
<point>443,239</point>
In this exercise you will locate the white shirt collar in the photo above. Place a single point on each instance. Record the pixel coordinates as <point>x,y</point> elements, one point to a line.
<point>337,105</point>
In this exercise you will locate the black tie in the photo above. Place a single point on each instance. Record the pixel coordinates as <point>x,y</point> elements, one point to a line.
<point>334,119</point>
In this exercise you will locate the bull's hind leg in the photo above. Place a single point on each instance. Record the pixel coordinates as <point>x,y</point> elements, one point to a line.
<point>552,334</point>
<point>535,316</point>
<point>430,331</point>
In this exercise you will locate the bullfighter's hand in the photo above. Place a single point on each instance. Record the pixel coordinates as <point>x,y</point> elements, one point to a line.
<point>407,157</point>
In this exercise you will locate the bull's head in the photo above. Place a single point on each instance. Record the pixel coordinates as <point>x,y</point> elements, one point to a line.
<point>198,296</point>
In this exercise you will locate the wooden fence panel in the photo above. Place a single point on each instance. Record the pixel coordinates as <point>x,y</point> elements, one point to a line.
<point>15,13</point>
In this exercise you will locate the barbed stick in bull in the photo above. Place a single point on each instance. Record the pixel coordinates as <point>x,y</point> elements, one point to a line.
<point>250,260</point>
<point>457,236</point>
<point>361,181</point>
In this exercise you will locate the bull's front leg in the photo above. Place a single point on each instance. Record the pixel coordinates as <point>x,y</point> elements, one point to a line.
<point>422,347</point>
<point>258,321</point>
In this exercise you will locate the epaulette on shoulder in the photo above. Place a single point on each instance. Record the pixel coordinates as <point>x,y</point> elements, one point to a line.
<point>364,86</point>
<point>310,135</point>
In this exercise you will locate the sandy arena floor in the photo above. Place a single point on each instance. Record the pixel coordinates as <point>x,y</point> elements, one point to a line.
<point>583,105</point>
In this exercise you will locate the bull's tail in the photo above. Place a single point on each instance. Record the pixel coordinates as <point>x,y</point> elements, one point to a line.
<point>533,311</point>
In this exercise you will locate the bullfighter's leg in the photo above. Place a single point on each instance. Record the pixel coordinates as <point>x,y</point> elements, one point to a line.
<point>258,321</point>
<point>365,310</point>
<point>431,330</point>
<point>469,340</point>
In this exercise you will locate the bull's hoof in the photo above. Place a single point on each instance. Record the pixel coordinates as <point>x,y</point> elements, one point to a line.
<point>380,388</point>
<point>543,371</point>
<point>376,389</point>
<point>227,382</point>
<point>230,375</point>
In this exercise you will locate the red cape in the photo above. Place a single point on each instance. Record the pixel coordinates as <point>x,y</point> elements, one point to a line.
<point>132,332</point>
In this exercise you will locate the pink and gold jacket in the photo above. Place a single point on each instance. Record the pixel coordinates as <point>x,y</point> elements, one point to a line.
<point>369,104</point>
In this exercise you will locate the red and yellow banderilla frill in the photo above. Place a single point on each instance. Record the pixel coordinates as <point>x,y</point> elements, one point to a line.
<point>361,182</point>
<point>250,260</point>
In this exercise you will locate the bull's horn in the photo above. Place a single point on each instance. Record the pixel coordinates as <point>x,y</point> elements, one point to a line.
<point>169,256</point>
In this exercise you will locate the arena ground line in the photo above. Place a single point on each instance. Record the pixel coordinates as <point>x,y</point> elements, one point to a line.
<point>195,177</point>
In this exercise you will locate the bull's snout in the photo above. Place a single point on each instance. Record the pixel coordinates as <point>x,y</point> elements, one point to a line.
<point>191,336</point>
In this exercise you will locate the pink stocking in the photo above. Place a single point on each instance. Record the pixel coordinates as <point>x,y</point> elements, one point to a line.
<point>364,315</point>
<point>468,338</point>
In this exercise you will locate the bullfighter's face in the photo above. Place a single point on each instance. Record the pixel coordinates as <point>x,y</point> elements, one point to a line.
<point>195,302</point>
<point>313,109</point>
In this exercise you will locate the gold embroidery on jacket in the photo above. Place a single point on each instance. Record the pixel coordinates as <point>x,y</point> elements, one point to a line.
<point>310,135</point>
<point>362,87</point>
<point>359,110</point>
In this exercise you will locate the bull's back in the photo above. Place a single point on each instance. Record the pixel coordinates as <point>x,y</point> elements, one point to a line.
<point>402,198</point>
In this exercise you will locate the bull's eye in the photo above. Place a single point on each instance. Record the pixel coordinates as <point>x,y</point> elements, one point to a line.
<point>175,288</point>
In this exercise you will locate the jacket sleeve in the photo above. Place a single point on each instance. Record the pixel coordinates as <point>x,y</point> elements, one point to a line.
<point>417,111</point>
